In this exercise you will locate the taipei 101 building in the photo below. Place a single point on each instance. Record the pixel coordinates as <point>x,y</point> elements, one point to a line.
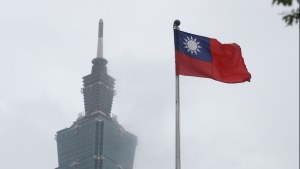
<point>96,140</point>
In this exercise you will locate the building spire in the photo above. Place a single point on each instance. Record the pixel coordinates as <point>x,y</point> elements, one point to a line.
<point>98,87</point>
<point>100,40</point>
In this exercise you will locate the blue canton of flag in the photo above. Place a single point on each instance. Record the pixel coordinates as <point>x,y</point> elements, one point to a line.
<point>195,46</point>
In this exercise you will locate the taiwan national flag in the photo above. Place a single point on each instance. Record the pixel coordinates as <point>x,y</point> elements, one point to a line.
<point>206,57</point>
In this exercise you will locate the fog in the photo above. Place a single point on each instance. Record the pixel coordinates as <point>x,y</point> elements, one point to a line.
<point>47,47</point>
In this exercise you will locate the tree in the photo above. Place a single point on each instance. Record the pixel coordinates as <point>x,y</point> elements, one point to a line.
<point>291,17</point>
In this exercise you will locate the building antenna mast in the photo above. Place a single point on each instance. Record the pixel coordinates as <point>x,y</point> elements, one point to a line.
<point>100,40</point>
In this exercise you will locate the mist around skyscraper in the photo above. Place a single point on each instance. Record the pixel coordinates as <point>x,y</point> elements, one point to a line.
<point>96,140</point>
<point>46,47</point>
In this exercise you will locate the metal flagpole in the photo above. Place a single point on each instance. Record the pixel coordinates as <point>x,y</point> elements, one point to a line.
<point>178,162</point>
<point>177,142</point>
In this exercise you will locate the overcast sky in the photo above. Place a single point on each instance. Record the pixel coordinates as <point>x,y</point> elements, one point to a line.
<point>46,47</point>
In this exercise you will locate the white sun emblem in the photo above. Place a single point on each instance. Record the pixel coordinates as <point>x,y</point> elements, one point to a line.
<point>192,45</point>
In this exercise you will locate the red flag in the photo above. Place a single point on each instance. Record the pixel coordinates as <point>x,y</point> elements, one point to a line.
<point>206,57</point>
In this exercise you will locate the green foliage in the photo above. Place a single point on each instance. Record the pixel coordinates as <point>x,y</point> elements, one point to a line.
<point>291,17</point>
<point>283,2</point>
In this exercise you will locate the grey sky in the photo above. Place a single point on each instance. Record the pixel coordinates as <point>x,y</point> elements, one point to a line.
<point>47,47</point>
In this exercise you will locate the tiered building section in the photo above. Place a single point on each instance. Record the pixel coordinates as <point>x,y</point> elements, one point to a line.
<point>95,143</point>
<point>98,89</point>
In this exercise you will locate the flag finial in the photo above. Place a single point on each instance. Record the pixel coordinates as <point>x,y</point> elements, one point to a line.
<point>176,24</point>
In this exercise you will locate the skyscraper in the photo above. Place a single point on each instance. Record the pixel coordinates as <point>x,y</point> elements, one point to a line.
<point>96,140</point>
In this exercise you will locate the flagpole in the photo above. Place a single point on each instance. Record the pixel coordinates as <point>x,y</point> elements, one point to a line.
<point>178,161</point>
<point>177,135</point>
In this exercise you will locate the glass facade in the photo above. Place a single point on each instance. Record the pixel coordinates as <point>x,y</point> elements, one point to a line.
<point>96,143</point>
